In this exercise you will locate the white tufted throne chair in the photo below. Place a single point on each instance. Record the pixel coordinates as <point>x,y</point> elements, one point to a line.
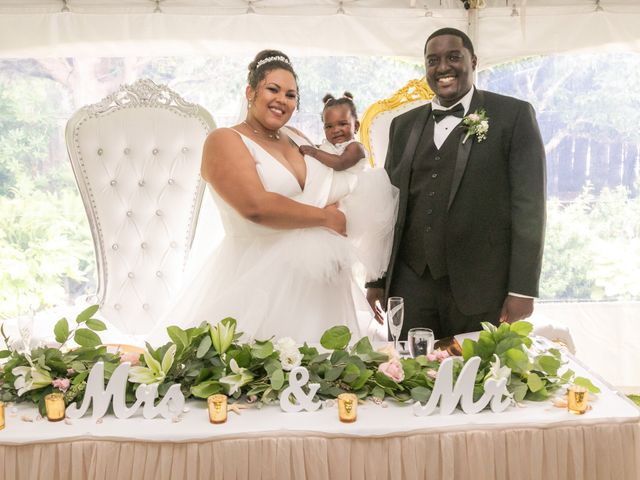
<point>136,158</point>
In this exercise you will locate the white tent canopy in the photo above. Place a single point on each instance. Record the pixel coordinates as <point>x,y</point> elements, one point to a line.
<point>502,29</point>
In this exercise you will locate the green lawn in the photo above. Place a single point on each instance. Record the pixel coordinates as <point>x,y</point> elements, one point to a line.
<point>636,399</point>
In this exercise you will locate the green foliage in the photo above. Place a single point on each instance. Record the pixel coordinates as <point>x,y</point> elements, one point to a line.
<point>592,248</point>
<point>261,369</point>
<point>42,365</point>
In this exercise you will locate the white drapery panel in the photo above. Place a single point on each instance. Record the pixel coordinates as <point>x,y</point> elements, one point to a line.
<point>505,29</point>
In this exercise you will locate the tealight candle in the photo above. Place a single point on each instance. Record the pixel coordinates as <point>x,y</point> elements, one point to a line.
<point>217,408</point>
<point>1,416</point>
<point>54,405</point>
<point>577,401</point>
<point>347,407</point>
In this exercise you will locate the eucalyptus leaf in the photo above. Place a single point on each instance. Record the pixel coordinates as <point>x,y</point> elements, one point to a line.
<point>96,325</point>
<point>361,380</point>
<point>420,394</point>
<point>534,382</point>
<point>338,356</point>
<point>86,338</point>
<point>333,373</point>
<point>203,348</point>
<point>206,389</point>
<point>363,346</point>
<point>468,349</point>
<point>522,328</point>
<point>61,330</point>
<point>585,382</point>
<point>378,392</point>
<point>179,336</point>
<point>516,360</point>
<point>262,349</point>
<point>276,379</point>
<point>336,338</point>
<point>549,364</point>
<point>87,313</point>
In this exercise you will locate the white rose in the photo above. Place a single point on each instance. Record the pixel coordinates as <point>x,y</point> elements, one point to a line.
<point>286,343</point>
<point>290,358</point>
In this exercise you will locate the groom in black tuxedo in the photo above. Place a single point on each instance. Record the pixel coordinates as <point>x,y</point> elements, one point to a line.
<point>470,230</point>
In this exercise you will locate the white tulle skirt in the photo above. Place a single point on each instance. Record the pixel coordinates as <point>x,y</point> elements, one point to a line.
<point>371,210</point>
<point>288,283</point>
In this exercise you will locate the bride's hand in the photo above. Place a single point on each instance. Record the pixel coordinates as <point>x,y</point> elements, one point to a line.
<point>335,219</point>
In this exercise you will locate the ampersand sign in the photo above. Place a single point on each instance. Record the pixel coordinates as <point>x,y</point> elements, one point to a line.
<point>298,378</point>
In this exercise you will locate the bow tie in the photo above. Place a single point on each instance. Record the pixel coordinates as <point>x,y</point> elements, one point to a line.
<point>457,111</point>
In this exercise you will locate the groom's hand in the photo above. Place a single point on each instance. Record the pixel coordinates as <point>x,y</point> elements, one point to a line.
<point>375,297</point>
<point>516,308</point>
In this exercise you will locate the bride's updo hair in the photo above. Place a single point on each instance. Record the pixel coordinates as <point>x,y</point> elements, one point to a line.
<point>346,99</point>
<point>266,61</point>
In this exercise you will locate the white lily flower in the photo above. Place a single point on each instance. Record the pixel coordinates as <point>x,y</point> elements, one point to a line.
<point>222,334</point>
<point>30,378</point>
<point>154,372</point>
<point>498,372</point>
<point>240,377</point>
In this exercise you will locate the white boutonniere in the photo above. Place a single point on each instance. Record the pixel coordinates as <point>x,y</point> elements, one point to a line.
<point>477,123</point>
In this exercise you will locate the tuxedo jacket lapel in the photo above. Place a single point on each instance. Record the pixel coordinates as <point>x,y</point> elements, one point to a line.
<point>464,149</point>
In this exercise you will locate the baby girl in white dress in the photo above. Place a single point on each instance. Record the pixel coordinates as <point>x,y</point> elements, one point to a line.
<point>364,194</point>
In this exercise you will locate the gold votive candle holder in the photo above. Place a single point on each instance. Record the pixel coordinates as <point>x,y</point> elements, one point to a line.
<point>1,415</point>
<point>347,407</point>
<point>577,399</point>
<point>217,408</point>
<point>54,405</point>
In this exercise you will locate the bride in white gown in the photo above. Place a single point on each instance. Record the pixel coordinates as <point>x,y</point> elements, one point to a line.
<point>283,268</point>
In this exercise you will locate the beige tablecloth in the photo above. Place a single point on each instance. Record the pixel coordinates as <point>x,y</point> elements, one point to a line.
<point>604,451</point>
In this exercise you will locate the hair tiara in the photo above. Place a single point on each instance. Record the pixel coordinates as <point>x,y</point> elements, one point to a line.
<point>276,58</point>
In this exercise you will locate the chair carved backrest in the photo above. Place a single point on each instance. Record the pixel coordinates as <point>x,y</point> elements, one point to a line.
<point>136,158</point>
<point>376,120</point>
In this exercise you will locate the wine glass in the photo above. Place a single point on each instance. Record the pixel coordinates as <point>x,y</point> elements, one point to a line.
<point>395,318</point>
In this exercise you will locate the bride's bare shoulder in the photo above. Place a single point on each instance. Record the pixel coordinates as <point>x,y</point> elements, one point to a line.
<point>223,134</point>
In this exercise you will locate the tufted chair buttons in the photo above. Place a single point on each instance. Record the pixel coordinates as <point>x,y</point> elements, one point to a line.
<point>127,151</point>
<point>173,244</point>
<point>113,183</point>
<point>130,275</point>
<point>115,246</point>
<point>185,149</point>
<point>117,306</point>
<point>129,213</point>
<point>159,213</point>
<point>159,274</point>
<point>144,245</point>
<point>171,181</point>
<point>100,152</point>
<point>155,151</point>
<point>141,183</point>
<point>145,306</point>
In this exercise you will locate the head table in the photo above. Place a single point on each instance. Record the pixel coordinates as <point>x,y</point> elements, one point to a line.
<point>534,441</point>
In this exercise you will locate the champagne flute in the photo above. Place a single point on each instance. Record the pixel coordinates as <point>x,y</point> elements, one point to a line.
<point>395,318</point>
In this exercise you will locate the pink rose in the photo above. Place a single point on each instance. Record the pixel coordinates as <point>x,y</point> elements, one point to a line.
<point>432,357</point>
<point>61,384</point>
<point>392,369</point>
<point>132,358</point>
<point>441,355</point>
<point>431,373</point>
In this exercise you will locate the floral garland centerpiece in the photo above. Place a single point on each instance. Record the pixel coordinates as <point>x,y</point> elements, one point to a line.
<point>211,359</point>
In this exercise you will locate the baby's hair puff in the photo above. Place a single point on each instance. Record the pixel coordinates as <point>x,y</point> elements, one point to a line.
<point>346,99</point>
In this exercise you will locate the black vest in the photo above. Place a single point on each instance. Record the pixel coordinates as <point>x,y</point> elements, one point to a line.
<point>432,170</point>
